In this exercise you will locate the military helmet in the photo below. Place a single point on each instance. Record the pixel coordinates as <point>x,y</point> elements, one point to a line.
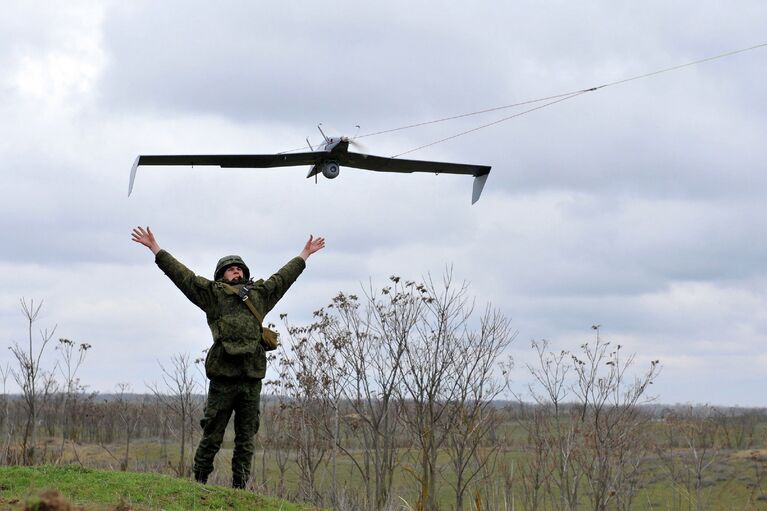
<point>226,262</point>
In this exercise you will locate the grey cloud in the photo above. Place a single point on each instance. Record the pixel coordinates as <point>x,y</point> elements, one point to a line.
<point>342,69</point>
<point>637,206</point>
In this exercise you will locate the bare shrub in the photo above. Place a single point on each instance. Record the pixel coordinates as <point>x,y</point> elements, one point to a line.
<point>696,431</point>
<point>367,341</point>
<point>36,384</point>
<point>306,403</point>
<point>403,365</point>
<point>589,435</point>
<point>129,415</point>
<point>73,389</point>
<point>177,395</point>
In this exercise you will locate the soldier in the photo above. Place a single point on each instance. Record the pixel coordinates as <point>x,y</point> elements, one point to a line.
<point>236,363</point>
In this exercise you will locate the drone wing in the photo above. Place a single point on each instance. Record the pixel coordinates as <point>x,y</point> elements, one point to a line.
<point>344,158</point>
<point>382,164</point>
<point>229,161</point>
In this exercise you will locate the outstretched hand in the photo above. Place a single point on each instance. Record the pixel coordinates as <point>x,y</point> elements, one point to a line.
<point>312,246</point>
<point>146,238</point>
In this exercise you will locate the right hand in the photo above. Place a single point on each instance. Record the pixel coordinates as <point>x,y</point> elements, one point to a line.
<point>146,238</point>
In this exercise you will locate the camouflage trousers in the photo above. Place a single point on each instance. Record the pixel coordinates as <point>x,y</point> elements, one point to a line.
<point>242,398</point>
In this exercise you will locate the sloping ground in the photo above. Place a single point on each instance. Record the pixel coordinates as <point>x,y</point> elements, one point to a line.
<point>86,489</point>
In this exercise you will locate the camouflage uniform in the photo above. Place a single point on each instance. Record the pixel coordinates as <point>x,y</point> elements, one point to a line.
<point>236,363</point>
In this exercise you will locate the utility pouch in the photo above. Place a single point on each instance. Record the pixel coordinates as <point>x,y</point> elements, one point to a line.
<point>269,338</point>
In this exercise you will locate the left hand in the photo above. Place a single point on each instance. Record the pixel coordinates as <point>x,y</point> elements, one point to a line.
<point>312,246</point>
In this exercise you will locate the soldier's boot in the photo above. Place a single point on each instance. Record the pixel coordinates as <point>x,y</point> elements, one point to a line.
<point>238,482</point>
<point>201,477</point>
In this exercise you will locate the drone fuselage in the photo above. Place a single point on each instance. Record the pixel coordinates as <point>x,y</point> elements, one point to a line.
<point>329,166</point>
<point>336,144</point>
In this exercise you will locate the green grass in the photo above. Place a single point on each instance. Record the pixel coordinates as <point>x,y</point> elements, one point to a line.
<point>101,489</point>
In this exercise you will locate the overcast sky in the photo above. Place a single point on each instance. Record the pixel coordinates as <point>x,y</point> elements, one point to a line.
<point>639,206</point>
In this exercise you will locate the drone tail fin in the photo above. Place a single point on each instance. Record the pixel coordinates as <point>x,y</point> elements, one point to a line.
<point>313,171</point>
<point>133,174</point>
<point>479,185</point>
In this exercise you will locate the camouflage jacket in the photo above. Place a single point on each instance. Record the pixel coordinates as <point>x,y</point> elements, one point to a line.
<point>236,352</point>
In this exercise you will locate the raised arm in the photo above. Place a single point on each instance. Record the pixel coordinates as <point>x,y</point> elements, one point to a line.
<point>275,286</point>
<point>196,288</point>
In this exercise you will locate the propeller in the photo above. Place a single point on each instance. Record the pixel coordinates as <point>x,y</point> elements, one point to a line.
<point>330,131</point>
<point>362,148</point>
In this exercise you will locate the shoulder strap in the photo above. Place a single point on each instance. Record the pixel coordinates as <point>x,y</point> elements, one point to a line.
<point>233,291</point>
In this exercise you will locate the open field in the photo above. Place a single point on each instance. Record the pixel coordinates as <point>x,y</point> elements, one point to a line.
<point>731,479</point>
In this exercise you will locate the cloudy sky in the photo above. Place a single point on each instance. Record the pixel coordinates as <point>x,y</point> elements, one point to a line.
<point>639,206</point>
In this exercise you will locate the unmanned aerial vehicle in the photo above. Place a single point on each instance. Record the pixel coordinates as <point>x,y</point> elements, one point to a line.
<point>326,159</point>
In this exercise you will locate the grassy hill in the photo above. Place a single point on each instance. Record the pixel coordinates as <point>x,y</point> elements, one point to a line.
<point>108,490</point>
